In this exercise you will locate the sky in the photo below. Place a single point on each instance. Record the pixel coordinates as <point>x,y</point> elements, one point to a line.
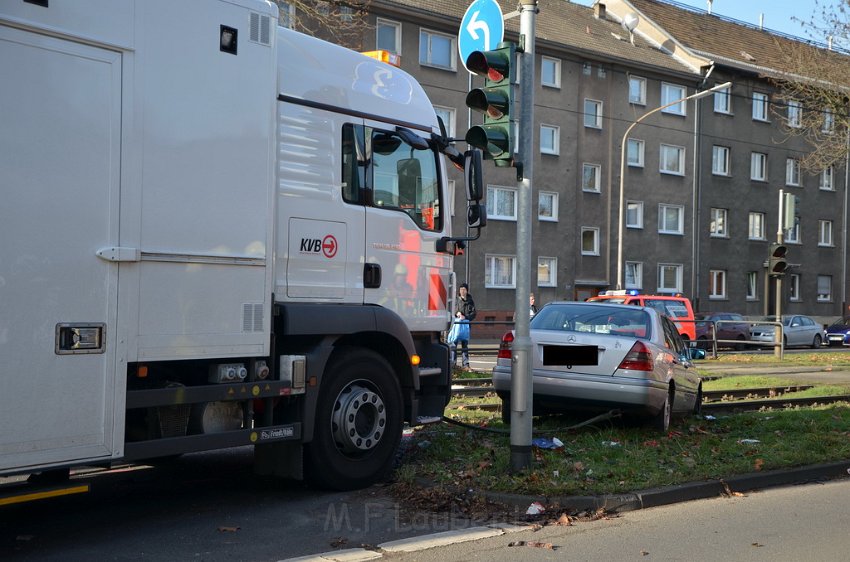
<point>777,13</point>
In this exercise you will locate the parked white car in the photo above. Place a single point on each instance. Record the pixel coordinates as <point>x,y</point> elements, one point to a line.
<point>598,356</point>
<point>796,330</point>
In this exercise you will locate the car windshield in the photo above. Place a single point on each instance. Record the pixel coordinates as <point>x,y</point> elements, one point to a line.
<point>842,322</point>
<point>597,319</point>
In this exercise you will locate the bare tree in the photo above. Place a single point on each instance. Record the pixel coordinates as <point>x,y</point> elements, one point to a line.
<point>339,21</point>
<point>814,86</point>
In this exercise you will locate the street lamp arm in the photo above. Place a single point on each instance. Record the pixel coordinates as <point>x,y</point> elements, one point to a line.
<point>620,215</point>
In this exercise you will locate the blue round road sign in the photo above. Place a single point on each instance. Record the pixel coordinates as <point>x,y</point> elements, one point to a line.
<point>481,29</point>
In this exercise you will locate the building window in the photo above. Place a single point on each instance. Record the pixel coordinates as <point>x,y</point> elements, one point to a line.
<point>758,166</point>
<point>437,49</point>
<point>589,241</point>
<point>752,285</point>
<point>634,275</point>
<point>669,94</point>
<point>828,121</point>
<point>388,36</point>
<point>826,181</point>
<point>756,226</point>
<point>760,103</point>
<point>792,171</point>
<point>720,160</point>
<point>550,139</point>
<point>550,72</point>
<point>634,214</point>
<point>501,203</point>
<point>447,114</point>
<point>601,72</point>
<point>824,288</point>
<point>634,153</point>
<point>547,206</point>
<point>723,100</point>
<point>499,272</point>
<point>669,278</point>
<point>593,114</point>
<point>794,287</point>
<point>792,235</point>
<point>718,228</point>
<point>287,15</point>
<point>547,272</point>
<point>717,284</point>
<point>590,174</point>
<point>824,233</point>
<point>671,219</point>
<point>587,69</point>
<point>637,90</point>
<point>795,114</point>
<point>672,160</point>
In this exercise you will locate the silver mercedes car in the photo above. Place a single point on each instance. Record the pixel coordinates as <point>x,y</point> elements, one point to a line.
<point>596,356</point>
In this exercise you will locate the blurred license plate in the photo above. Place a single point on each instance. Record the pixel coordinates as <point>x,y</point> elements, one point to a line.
<point>570,355</point>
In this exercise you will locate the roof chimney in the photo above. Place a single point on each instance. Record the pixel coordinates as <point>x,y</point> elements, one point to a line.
<point>761,21</point>
<point>599,11</point>
<point>709,5</point>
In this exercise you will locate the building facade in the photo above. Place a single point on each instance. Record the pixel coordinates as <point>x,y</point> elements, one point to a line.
<point>702,178</point>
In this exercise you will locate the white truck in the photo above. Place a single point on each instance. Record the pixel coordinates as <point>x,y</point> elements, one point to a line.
<point>215,232</point>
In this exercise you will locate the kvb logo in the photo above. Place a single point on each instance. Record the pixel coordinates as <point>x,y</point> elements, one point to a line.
<point>327,246</point>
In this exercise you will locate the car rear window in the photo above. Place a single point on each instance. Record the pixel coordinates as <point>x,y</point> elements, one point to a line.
<point>673,309</point>
<point>599,319</point>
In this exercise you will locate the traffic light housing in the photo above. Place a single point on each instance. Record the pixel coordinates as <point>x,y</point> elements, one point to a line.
<point>496,100</point>
<point>777,261</point>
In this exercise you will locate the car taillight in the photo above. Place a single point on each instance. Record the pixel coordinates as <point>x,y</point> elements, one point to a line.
<point>638,358</point>
<point>505,346</point>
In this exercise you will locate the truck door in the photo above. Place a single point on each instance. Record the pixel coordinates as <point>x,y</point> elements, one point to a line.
<point>405,216</point>
<point>60,142</point>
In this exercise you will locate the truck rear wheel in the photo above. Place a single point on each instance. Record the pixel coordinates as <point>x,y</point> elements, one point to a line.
<point>358,422</point>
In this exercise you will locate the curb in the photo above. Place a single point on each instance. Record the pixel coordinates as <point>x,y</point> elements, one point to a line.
<point>612,503</point>
<point>655,497</point>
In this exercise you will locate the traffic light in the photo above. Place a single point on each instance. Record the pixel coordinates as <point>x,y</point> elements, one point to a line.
<point>777,261</point>
<point>496,100</point>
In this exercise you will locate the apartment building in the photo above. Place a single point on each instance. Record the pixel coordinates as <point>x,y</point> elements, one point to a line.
<point>702,178</point>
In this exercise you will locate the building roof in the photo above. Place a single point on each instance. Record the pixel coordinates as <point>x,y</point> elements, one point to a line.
<point>730,42</point>
<point>561,24</point>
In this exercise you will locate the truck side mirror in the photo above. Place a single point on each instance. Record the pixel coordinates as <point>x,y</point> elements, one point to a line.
<point>472,175</point>
<point>476,215</point>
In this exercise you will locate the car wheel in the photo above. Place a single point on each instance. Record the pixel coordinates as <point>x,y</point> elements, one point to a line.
<point>506,411</point>
<point>358,422</point>
<point>817,342</point>
<point>661,422</point>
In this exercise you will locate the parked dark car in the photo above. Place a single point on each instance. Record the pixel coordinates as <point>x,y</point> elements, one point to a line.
<point>729,326</point>
<point>838,333</point>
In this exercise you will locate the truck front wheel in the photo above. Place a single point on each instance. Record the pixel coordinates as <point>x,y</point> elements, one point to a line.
<point>358,422</point>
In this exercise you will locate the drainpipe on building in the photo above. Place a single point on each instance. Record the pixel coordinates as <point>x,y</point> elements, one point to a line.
<point>844,229</point>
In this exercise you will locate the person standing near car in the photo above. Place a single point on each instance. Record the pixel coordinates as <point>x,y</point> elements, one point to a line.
<point>532,309</point>
<point>465,312</point>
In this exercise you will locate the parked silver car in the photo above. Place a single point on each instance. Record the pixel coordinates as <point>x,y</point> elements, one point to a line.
<point>796,330</point>
<point>598,356</point>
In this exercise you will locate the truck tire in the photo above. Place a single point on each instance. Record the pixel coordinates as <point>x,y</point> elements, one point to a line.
<point>358,422</point>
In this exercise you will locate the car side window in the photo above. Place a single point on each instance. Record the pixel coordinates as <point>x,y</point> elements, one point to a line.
<point>673,339</point>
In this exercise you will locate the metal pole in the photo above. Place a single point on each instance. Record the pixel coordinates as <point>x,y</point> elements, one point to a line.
<point>521,381</point>
<point>777,338</point>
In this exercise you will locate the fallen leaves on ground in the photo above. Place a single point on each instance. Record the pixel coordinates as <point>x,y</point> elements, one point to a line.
<point>227,529</point>
<point>533,544</point>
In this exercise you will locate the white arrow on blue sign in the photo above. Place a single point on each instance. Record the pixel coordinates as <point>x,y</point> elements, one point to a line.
<point>481,29</point>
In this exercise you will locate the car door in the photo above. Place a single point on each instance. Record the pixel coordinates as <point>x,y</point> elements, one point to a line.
<point>794,332</point>
<point>684,375</point>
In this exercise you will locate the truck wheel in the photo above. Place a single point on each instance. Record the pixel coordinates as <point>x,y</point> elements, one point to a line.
<point>358,423</point>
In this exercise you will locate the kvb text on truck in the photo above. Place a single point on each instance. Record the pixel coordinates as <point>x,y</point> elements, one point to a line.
<point>216,232</point>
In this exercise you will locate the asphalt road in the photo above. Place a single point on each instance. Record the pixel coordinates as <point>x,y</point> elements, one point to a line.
<point>204,506</point>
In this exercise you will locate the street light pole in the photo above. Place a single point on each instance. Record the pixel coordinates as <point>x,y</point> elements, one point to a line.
<point>621,215</point>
